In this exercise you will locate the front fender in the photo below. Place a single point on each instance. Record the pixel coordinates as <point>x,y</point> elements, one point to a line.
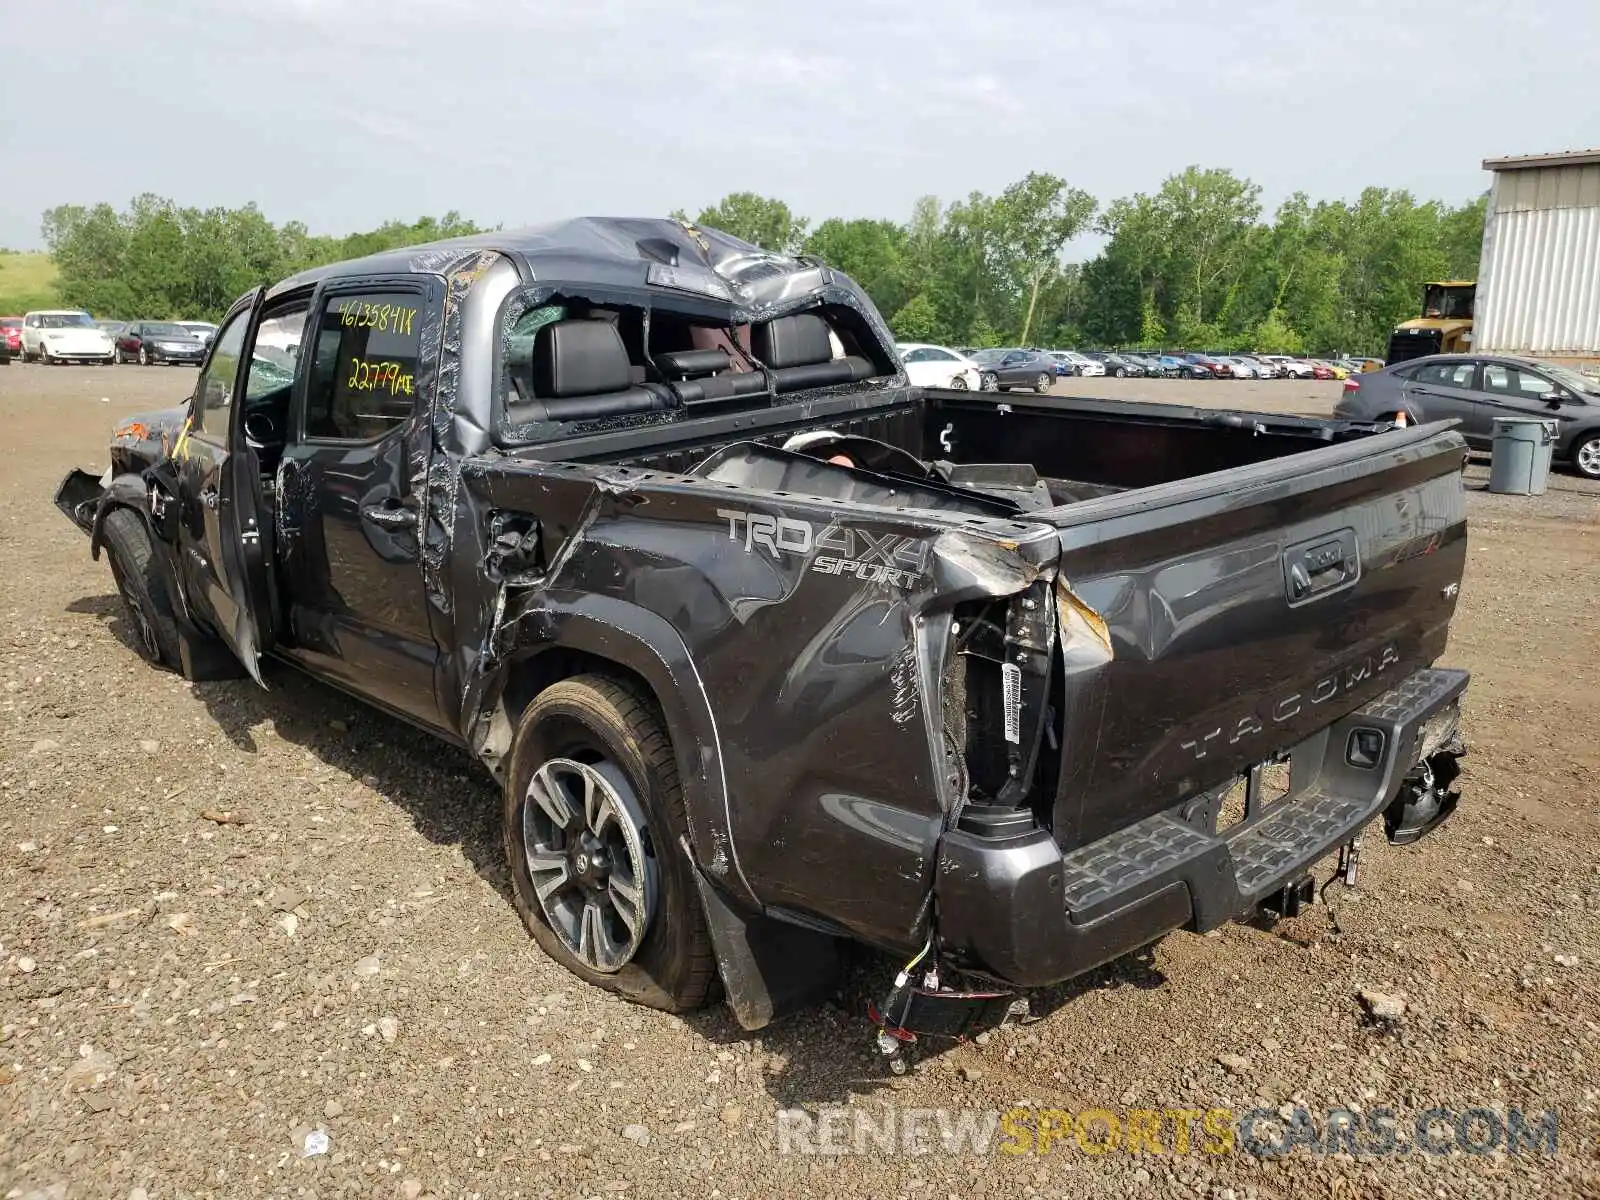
<point>133,492</point>
<point>648,645</point>
<point>124,491</point>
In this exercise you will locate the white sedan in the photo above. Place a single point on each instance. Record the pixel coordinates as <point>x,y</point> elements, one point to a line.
<point>1078,364</point>
<point>938,366</point>
<point>64,335</point>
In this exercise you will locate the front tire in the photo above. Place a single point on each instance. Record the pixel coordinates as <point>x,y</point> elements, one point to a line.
<point>959,384</point>
<point>145,603</point>
<point>1586,457</point>
<point>592,816</point>
<point>990,381</point>
<point>144,357</point>
<point>1121,373</point>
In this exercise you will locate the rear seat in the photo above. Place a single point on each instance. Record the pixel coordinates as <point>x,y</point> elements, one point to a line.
<point>705,376</point>
<point>799,354</point>
<point>579,372</point>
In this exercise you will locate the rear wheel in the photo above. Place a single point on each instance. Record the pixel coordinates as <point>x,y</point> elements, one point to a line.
<point>144,357</point>
<point>144,596</point>
<point>990,381</point>
<point>592,817</point>
<point>1042,384</point>
<point>1586,456</point>
<point>959,383</point>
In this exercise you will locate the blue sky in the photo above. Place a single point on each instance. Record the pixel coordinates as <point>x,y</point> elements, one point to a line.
<point>344,113</point>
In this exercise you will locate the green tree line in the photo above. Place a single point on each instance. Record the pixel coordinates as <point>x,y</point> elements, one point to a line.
<point>1196,263</point>
<point>159,260</point>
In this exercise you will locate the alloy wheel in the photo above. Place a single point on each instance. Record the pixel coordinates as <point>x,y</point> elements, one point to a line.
<point>584,837</point>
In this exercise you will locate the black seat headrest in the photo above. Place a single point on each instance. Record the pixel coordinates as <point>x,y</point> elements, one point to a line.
<point>793,341</point>
<point>689,363</point>
<point>579,358</point>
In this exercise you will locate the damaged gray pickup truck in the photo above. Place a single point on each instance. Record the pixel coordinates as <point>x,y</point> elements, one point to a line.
<point>768,650</point>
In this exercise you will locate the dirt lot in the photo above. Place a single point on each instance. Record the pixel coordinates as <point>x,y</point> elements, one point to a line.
<point>183,1003</point>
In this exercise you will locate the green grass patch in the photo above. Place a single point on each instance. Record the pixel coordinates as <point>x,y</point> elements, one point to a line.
<point>27,281</point>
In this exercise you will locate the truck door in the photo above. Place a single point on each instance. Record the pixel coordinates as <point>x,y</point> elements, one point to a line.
<point>350,496</point>
<point>219,544</point>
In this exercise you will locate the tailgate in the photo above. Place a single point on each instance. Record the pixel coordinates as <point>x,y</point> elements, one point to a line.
<point>1247,610</point>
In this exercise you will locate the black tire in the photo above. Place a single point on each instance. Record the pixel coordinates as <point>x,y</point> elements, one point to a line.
<point>1041,385</point>
<point>1586,456</point>
<point>144,357</point>
<point>600,721</point>
<point>959,384</point>
<point>145,602</point>
<point>1120,373</point>
<point>988,382</point>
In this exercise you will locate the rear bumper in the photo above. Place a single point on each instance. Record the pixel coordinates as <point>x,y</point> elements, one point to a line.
<point>1019,910</point>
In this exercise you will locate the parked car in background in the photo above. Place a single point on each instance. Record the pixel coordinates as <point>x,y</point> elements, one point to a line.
<point>61,335</point>
<point>1150,363</point>
<point>1121,366</point>
<point>1173,367</point>
<point>1080,364</point>
<point>1288,368</point>
<point>11,336</point>
<point>1202,366</point>
<point>204,330</point>
<point>1001,370</point>
<point>1063,366</point>
<point>1322,370</point>
<point>1476,389</point>
<point>150,343</point>
<point>1262,368</point>
<point>1239,368</point>
<point>112,329</point>
<point>939,366</point>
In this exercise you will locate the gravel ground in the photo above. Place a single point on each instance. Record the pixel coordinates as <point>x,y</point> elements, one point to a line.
<point>239,927</point>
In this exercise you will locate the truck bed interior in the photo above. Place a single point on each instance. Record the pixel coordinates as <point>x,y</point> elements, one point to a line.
<point>783,405</point>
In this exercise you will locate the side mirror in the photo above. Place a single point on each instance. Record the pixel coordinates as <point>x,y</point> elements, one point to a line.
<point>1553,399</point>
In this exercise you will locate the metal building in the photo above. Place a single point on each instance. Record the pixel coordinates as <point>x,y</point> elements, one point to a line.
<point>1539,279</point>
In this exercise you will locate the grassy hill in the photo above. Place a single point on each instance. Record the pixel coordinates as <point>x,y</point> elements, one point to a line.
<point>26,281</point>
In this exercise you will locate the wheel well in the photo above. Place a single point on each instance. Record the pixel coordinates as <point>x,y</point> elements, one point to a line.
<point>527,676</point>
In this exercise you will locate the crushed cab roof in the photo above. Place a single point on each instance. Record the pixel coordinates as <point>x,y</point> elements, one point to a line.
<point>630,252</point>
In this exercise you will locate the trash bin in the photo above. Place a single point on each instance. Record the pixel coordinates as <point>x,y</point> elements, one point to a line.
<point>1520,465</point>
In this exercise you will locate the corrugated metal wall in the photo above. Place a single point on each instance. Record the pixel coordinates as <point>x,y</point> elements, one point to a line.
<point>1539,281</point>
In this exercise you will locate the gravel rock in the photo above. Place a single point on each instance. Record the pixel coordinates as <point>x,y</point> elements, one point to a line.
<point>1382,1006</point>
<point>637,1134</point>
<point>1236,1064</point>
<point>368,967</point>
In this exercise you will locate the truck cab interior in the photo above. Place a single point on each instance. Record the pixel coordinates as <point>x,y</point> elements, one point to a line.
<point>571,360</point>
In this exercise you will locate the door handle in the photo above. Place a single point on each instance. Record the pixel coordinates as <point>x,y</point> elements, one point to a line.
<point>390,514</point>
<point>1327,564</point>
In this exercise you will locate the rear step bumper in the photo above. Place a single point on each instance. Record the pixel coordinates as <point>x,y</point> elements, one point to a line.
<point>1019,910</point>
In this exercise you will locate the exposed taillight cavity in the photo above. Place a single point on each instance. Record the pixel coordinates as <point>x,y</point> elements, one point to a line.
<point>1352,385</point>
<point>1001,725</point>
